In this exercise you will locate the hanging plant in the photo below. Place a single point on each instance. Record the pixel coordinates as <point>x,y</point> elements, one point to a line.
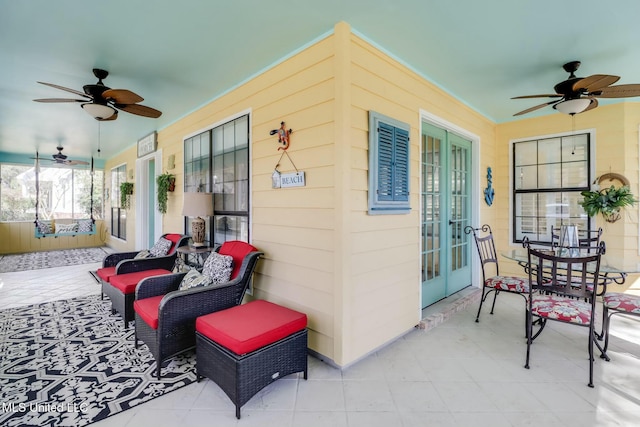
<point>126,190</point>
<point>607,202</point>
<point>165,183</point>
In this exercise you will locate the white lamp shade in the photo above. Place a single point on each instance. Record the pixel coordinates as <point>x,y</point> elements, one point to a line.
<point>197,204</point>
<point>98,111</point>
<point>573,106</point>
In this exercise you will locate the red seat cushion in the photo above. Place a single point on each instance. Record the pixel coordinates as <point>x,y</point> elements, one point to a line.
<point>127,282</point>
<point>238,250</point>
<point>105,273</point>
<point>561,308</point>
<point>147,309</point>
<point>508,283</point>
<point>622,302</point>
<point>245,328</point>
<point>174,239</point>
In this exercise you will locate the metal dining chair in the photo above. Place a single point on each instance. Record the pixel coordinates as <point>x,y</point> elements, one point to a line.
<point>563,289</point>
<point>587,239</point>
<point>488,259</point>
<point>617,303</point>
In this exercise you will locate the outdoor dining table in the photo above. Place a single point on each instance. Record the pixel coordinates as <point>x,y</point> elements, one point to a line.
<point>612,269</point>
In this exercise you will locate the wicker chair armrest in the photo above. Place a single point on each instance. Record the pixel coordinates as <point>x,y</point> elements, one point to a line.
<point>140,264</point>
<point>158,285</point>
<point>179,308</point>
<point>112,260</point>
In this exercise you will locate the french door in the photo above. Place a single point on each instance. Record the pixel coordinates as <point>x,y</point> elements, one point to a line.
<point>446,211</point>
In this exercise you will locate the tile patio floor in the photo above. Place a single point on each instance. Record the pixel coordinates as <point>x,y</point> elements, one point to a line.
<point>460,373</point>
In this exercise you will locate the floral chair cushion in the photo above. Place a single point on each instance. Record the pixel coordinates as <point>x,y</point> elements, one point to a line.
<point>508,283</point>
<point>218,267</point>
<point>622,302</point>
<point>560,308</point>
<point>161,247</point>
<point>142,254</point>
<point>194,279</point>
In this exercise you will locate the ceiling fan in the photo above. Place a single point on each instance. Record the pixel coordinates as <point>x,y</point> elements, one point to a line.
<point>102,102</point>
<point>61,159</point>
<point>579,94</point>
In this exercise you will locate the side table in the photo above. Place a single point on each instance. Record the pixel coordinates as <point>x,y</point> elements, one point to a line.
<point>194,256</point>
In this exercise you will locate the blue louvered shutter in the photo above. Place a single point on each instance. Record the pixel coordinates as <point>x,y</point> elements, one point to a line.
<point>388,165</point>
<point>401,166</point>
<point>386,144</point>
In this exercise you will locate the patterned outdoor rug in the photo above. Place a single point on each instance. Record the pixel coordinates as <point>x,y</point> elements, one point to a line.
<point>49,259</point>
<point>71,363</point>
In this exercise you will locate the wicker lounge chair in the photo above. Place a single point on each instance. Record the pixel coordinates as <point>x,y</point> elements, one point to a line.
<point>128,271</point>
<point>165,316</point>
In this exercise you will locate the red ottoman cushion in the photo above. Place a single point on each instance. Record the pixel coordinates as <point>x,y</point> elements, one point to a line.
<point>245,328</point>
<point>147,309</point>
<point>105,273</point>
<point>127,283</point>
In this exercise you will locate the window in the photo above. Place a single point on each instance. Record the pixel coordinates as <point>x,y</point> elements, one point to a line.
<point>548,176</point>
<point>63,193</point>
<point>118,213</point>
<point>217,161</point>
<point>388,165</point>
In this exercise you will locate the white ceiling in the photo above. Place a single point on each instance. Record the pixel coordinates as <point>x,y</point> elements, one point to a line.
<point>179,55</point>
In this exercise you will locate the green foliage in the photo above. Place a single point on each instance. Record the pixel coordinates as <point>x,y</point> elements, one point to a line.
<point>607,201</point>
<point>126,190</point>
<point>165,183</point>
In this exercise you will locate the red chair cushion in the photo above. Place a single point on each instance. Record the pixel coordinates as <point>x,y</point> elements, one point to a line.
<point>560,308</point>
<point>147,309</point>
<point>127,282</point>
<point>508,283</point>
<point>245,328</point>
<point>238,250</point>
<point>105,273</point>
<point>174,239</point>
<point>622,302</point>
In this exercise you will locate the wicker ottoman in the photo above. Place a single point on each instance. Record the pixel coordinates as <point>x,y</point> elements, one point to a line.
<point>245,348</point>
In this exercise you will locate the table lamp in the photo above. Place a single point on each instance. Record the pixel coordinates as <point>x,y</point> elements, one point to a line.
<point>197,205</point>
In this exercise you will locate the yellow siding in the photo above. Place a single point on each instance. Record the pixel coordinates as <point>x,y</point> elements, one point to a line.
<point>356,276</point>
<point>18,237</point>
<point>384,282</point>
<point>616,142</point>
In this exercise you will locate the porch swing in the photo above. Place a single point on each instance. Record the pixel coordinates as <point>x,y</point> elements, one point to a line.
<point>48,228</point>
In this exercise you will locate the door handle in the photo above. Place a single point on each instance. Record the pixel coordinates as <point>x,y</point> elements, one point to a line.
<point>450,222</point>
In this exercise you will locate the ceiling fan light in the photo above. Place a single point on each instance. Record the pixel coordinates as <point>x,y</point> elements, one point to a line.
<point>573,106</point>
<point>98,111</point>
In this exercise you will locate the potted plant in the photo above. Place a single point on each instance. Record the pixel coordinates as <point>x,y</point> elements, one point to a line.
<point>165,183</point>
<point>126,190</point>
<point>607,202</point>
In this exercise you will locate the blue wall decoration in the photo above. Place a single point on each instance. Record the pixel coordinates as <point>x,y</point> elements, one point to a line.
<point>488,192</point>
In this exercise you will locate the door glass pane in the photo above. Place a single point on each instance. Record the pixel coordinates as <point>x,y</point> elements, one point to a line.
<point>430,201</point>
<point>459,200</point>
